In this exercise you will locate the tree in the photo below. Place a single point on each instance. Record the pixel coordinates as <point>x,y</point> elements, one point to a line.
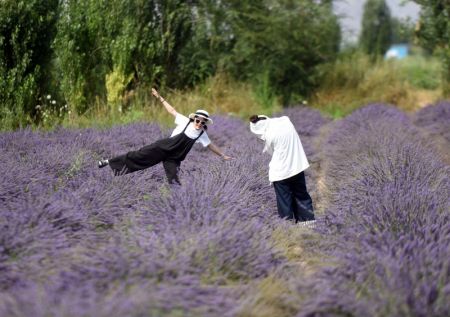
<point>27,29</point>
<point>376,32</point>
<point>277,45</point>
<point>107,46</point>
<point>282,43</point>
<point>402,30</point>
<point>434,32</point>
<point>90,51</point>
<point>81,50</point>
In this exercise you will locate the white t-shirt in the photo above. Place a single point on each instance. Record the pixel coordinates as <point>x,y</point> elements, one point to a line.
<point>283,142</point>
<point>190,131</point>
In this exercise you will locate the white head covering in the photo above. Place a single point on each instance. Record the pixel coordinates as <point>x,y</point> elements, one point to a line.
<point>202,114</point>
<point>260,128</point>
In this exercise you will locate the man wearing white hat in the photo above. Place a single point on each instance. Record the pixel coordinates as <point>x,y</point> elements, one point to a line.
<point>286,168</point>
<point>170,151</point>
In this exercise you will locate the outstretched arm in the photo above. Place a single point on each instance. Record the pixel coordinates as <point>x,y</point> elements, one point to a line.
<point>214,148</point>
<point>166,105</point>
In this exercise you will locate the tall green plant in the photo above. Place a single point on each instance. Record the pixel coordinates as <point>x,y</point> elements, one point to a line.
<point>105,47</point>
<point>276,45</point>
<point>82,51</point>
<point>286,41</point>
<point>211,42</point>
<point>27,29</point>
<point>402,30</point>
<point>434,33</point>
<point>376,32</point>
<point>147,37</point>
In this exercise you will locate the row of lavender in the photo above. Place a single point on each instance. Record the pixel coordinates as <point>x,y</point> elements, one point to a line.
<point>77,241</point>
<point>74,240</point>
<point>387,221</point>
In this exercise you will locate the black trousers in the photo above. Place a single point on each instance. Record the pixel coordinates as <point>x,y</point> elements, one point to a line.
<point>293,199</point>
<point>144,158</point>
<point>133,161</point>
<point>171,168</point>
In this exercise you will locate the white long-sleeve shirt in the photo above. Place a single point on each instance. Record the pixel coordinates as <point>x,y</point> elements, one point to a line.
<point>283,142</point>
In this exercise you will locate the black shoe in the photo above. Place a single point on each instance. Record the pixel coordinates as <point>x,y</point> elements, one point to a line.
<point>102,163</point>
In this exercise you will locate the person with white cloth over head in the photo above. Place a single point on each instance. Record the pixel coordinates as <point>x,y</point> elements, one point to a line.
<point>286,168</point>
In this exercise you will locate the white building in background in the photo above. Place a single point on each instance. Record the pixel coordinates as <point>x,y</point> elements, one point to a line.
<point>397,51</point>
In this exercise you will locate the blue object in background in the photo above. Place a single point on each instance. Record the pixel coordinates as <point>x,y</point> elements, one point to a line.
<point>397,51</point>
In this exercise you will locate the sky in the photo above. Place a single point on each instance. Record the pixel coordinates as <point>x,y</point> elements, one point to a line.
<point>352,11</point>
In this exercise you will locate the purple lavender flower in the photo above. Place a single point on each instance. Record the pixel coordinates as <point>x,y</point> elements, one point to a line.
<point>75,240</point>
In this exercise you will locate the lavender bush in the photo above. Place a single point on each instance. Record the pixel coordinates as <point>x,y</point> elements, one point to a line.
<point>387,221</point>
<point>76,240</point>
<point>434,120</point>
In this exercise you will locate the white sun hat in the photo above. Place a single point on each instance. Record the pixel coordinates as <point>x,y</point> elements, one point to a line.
<point>202,114</point>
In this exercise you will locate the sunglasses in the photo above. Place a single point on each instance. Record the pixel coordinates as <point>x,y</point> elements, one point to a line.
<point>203,123</point>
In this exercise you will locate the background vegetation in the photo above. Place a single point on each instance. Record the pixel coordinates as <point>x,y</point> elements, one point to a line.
<point>85,62</point>
<point>376,33</point>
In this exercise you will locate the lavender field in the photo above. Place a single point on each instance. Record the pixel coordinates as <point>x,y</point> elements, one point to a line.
<point>77,241</point>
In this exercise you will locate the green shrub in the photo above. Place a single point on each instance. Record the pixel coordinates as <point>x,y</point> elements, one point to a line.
<point>421,72</point>
<point>27,29</point>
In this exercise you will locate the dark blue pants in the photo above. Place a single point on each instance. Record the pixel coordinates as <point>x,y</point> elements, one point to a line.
<point>293,200</point>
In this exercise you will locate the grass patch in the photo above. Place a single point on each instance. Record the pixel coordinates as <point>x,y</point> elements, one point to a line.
<point>269,298</point>
<point>354,81</point>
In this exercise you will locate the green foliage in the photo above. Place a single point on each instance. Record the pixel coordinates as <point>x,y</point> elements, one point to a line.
<point>27,28</point>
<point>275,45</point>
<point>433,30</point>
<point>115,86</point>
<point>263,91</point>
<point>211,42</point>
<point>286,41</point>
<point>402,30</point>
<point>421,72</point>
<point>82,51</point>
<point>434,33</point>
<point>354,80</point>
<point>99,41</point>
<point>376,30</point>
<point>90,53</point>
<point>348,71</point>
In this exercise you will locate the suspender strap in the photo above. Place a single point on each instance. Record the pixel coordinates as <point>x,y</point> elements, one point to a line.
<point>199,135</point>
<point>188,125</point>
